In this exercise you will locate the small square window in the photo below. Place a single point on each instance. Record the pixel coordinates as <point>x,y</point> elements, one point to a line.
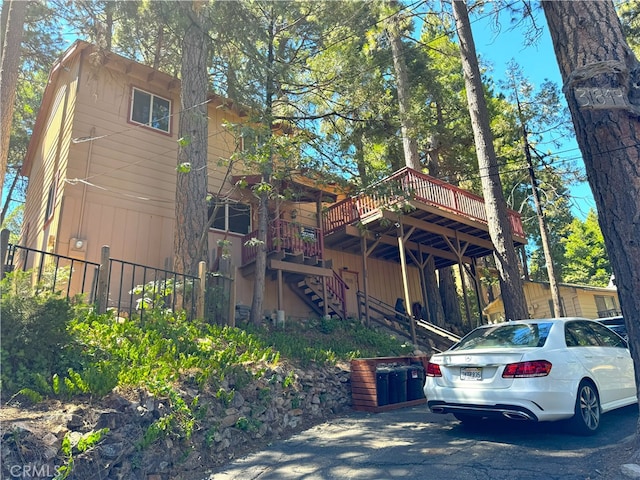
<point>150,110</point>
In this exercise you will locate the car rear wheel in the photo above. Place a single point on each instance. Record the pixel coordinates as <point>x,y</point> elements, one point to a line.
<point>586,419</point>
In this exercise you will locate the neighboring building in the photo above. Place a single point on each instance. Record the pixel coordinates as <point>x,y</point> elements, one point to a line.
<point>576,301</point>
<point>102,164</point>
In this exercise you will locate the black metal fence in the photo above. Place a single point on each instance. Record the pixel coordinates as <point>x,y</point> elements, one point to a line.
<point>125,287</point>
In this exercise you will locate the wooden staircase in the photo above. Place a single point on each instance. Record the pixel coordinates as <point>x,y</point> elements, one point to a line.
<point>427,334</point>
<point>309,289</point>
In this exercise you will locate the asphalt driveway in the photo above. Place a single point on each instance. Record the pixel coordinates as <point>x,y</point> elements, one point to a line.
<point>414,443</point>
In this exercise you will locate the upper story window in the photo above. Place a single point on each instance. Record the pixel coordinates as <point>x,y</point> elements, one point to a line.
<point>230,216</point>
<point>150,110</point>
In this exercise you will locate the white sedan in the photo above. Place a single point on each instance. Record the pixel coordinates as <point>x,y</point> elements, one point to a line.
<point>537,370</point>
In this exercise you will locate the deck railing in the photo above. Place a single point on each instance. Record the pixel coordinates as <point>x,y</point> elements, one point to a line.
<point>284,236</point>
<point>408,184</point>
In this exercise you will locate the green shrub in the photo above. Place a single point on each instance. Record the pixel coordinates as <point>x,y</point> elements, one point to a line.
<point>35,341</point>
<point>53,348</point>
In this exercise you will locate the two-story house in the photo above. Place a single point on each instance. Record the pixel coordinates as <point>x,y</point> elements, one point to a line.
<point>102,171</point>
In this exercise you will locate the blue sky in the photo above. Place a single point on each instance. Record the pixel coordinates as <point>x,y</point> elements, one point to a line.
<point>538,63</point>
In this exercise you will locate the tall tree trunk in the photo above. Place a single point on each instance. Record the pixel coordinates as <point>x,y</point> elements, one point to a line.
<point>409,143</point>
<point>437,307</point>
<point>601,75</point>
<point>436,313</point>
<point>9,66</point>
<point>159,44</point>
<point>263,210</point>
<point>7,202</point>
<point>191,183</point>
<point>449,296</point>
<point>358,155</point>
<point>447,286</point>
<point>499,226</point>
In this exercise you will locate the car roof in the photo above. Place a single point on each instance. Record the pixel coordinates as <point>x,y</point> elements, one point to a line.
<point>604,319</point>
<point>538,320</point>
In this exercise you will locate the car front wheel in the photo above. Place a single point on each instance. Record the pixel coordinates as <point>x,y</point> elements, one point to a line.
<point>586,419</point>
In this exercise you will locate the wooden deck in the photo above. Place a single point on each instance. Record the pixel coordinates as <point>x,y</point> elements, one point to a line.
<point>437,218</point>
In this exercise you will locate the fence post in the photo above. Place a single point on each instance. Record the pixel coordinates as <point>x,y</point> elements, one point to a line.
<point>4,247</point>
<point>202,274</point>
<point>103,280</point>
<point>233,273</point>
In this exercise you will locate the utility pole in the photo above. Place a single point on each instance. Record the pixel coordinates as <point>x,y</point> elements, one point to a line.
<point>544,234</point>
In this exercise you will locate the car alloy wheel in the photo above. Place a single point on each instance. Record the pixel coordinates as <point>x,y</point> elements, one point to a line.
<point>587,412</point>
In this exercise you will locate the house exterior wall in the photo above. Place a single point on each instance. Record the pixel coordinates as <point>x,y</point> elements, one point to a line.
<point>49,172</point>
<point>577,301</point>
<point>127,188</point>
<point>116,179</point>
<point>117,189</point>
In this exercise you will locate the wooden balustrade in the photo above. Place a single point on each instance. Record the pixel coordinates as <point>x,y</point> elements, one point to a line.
<point>408,184</point>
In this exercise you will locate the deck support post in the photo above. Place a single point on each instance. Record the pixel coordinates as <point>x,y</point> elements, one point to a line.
<point>405,280</point>
<point>365,277</point>
<point>280,288</point>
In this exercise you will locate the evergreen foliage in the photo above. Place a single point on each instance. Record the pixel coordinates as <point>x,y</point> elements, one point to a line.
<point>587,261</point>
<point>53,349</point>
<point>35,340</point>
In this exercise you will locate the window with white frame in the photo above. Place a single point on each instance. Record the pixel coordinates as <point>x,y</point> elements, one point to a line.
<point>150,110</point>
<point>230,216</point>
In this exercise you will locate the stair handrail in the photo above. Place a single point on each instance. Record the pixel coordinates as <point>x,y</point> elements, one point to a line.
<point>387,308</point>
<point>439,330</point>
<point>337,286</point>
<point>420,322</point>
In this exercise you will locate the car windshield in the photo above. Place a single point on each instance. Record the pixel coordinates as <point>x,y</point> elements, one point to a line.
<point>506,335</point>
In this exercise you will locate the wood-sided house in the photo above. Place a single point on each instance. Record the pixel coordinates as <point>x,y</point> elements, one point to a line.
<point>575,301</point>
<point>102,171</point>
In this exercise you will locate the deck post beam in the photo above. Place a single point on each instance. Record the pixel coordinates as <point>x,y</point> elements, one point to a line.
<point>423,281</point>
<point>280,290</point>
<point>365,279</point>
<point>405,281</point>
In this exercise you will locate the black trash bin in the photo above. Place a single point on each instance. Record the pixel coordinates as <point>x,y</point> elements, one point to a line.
<point>382,385</point>
<point>398,384</point>
<point>415,382</point>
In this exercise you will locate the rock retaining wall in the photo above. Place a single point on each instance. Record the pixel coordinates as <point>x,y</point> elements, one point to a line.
<point>225,423</point>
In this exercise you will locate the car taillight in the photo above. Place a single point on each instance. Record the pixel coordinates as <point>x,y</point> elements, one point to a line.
<point>433,370</point>
<point>537,368</point>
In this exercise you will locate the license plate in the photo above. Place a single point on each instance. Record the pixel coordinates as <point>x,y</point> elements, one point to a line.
<point>471,373</point>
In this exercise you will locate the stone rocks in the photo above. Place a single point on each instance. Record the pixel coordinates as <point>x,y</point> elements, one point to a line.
<point>225,425</point>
